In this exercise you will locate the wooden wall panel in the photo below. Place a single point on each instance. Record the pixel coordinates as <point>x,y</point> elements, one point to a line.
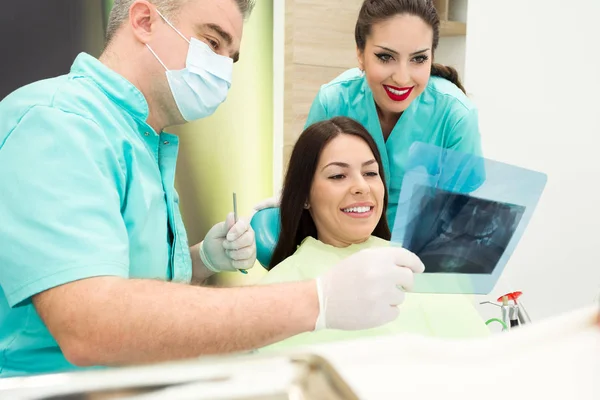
<point>308,80</point>
<point>324,32</point>
<point>319,46</point>
<point>442,7</point>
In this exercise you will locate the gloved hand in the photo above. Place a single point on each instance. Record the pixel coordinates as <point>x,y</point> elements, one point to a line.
<point>267,203</point>
<point>363,290</point>
<point>228,246</point>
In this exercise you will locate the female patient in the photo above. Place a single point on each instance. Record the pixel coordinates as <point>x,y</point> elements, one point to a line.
<point>333,204</point>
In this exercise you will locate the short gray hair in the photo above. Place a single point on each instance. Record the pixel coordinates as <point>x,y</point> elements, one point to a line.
<point>120,12</point>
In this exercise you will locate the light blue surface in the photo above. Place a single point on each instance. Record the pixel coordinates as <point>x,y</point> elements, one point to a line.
<point>465,215</point>
<point>442,115</point>
<point>87,190</point>
<point>266,225</point>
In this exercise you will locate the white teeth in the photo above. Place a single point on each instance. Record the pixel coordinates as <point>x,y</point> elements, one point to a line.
<point>357,209</point>
<point>397,92</point>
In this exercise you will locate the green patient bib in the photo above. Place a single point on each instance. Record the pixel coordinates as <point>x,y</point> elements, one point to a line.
<point>436,315</point>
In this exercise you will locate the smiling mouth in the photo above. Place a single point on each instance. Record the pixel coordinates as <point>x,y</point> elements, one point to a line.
<point>358,210</point>
<point>398,94</point>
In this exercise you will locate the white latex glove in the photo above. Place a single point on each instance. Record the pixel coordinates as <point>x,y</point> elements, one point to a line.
<point>266,203</point>
<point>228,246</point>
<point>364,290</point>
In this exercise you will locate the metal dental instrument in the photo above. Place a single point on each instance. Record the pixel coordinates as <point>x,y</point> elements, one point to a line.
<point>235,218</point>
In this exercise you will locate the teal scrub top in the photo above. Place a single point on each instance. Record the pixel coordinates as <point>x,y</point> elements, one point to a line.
<point>442,116</point>
<point>87,191</point>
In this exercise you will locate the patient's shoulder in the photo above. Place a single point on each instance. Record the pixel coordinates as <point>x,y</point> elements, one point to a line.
<point>288,270</point>
<point>311,259</point>
<point>285,271</point>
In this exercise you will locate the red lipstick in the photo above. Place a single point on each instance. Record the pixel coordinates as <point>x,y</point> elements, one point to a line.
<point>398,94</point>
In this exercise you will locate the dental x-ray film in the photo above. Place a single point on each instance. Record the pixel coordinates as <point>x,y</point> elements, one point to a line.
<point>463,215</point>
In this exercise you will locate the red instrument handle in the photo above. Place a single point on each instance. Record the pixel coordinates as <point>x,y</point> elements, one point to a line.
<point>514,296</point>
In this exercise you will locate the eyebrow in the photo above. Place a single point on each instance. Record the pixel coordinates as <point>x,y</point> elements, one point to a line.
<point>395,52</point>
<point>345,165</point>
<point>224,35</point>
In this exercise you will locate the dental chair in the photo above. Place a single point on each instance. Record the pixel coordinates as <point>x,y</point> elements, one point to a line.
<point>266,226</point>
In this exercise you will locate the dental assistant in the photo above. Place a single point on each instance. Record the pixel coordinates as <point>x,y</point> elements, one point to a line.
<point>95,268</point>
<point>397,92</point>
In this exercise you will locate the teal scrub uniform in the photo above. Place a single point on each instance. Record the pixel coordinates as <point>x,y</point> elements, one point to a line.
<point>87,191</point>
<point>442,116</point>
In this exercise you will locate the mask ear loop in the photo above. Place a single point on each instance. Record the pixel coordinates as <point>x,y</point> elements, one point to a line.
<point>155,56</point>
<point>171,25</point>
<point>175,29</point>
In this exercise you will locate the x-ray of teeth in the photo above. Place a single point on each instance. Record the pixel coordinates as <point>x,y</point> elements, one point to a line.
<point>463,215</point>
<point>458,233</point>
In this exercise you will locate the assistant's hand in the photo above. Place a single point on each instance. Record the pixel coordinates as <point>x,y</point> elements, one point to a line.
<point>228,246</point>
<point>364,290</point>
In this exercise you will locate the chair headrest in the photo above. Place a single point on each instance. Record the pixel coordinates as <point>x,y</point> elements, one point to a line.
<point>266,225</point>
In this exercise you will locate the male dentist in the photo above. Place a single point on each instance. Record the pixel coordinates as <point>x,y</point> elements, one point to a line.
<point>95,268</point>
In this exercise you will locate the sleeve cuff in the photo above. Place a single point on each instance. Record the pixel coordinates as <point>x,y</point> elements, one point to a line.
<point>18,296</point>
<point>205,260</point>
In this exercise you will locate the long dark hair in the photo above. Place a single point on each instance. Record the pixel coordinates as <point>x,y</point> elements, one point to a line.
<point>296,221</point>
<point>375,11</point>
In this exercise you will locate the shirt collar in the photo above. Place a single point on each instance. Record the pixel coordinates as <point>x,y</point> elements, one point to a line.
<point>120,90</point>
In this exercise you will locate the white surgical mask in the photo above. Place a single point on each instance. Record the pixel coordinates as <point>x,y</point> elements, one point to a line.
<point>203,84</point>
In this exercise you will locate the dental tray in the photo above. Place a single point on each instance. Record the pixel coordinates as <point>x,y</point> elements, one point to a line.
<point>231,378</point>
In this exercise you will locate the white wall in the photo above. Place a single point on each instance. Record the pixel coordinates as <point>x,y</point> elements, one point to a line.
<point>451,52</point>
<point>533,68</point>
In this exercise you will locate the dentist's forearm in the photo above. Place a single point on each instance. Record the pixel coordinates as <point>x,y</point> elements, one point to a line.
<point>114,321</point>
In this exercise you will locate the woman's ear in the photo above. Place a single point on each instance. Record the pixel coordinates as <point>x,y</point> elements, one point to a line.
<point>360,56</point>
